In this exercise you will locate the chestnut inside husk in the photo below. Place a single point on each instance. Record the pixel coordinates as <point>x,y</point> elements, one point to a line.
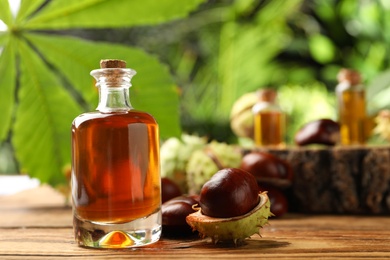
<point>231,207</point>
<point>230,192</point>
<point>234,229</point>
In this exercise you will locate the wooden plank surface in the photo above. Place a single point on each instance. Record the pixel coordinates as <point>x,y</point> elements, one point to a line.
<point>34,224</point>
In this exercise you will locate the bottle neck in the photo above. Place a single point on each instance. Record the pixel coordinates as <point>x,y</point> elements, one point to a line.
<point>113,84</point>
<point>114,99</point>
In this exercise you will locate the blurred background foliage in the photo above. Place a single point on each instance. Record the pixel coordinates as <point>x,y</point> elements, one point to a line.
<point>230,47</point>
<point>226,48</point>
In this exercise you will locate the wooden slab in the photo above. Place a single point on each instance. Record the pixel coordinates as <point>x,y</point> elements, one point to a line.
<point>339,180</point>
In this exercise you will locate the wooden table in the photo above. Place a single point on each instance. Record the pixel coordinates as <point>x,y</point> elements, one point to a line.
<point>34,224</point>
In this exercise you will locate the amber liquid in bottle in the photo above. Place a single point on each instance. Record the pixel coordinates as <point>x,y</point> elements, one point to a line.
<point>352,114</point>
<point>117,177</point>
<point>269,128</point>
<point>269,120</point>
<point>351,107</point>
<point>115,169</point>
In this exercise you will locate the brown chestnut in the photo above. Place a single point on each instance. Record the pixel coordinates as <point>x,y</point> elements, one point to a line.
<point>229,193</point>
<point>279,203</point>
<point>267,168</point>
<point>169,189</point>
<point>189,199</point>
<point>322,131</point>
<point>174,213</point>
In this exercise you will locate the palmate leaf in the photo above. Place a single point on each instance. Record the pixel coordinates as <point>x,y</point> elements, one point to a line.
<point>53,74</point>
<point>41,133</point>
<point>3,39</point>
<point>60,14</point>
<point>7,87</point>
<point>153,89</point>
<point>27,7</point>
<point>5,12</point>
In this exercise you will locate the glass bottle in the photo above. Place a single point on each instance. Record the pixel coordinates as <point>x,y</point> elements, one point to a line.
<point>116,185</point>
<point>269,120</point>
<point>351,107</point>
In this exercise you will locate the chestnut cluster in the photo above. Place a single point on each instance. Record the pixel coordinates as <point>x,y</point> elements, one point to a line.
<point>175,208</point>
<point>174,213</point>
<point>229,199</point>
<point>229,193</point>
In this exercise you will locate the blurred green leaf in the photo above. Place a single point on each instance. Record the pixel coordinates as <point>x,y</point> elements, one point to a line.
<point>321,48</point>
<point>60,14</point>
<point>347,8</point>
<point>378,95</point>
<point>42,125</point>
<point>5,12</point>
<point>376,55</point>
<point>27,7</point>
<point>246,51</point>
<point>325,9</point>
<point>7,162</point>
<point>7,87</point>
<point>153,88</point>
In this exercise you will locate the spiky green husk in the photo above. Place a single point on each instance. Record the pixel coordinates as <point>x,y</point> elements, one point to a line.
<point>205,162</point>
<point>234,229</point>
<point>174,156</point>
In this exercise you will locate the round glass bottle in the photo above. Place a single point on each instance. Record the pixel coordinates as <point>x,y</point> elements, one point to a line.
<point>269,120</point>
<point>116,186</point>
<point>351,107</point>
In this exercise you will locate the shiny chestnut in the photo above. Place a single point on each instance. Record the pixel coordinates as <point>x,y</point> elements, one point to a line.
<point>169,189</point>
<point>174,213</point>
<point>229,193</point>
<point>322,131</point>
<point>267,168</point>
<point>279,202</point>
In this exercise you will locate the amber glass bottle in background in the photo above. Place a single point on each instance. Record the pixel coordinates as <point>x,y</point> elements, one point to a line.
<point>116,186</point>
<point>269,120</point>
<point>351,107</point>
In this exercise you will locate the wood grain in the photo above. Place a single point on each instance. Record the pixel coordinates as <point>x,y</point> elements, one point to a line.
<point>42,229</point>
<point>339,180</point>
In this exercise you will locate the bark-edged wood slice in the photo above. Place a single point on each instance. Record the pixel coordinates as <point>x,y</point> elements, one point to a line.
<point>345,180</point>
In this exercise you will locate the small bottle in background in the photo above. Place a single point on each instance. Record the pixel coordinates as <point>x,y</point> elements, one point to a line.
<point>351,104</point>
<point>269,120</point>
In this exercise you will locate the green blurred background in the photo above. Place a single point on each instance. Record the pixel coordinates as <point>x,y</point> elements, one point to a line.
<point>227,48</point>
<point>222,49</point>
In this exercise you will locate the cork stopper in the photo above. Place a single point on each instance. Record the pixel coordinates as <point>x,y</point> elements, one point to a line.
<point>267,95</point>
<point>348,75</point>
<point>111,63</point>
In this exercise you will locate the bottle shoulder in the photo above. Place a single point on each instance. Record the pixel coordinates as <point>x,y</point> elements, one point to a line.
<point>127,117</point>
<point>265,106</point>
<point>346,87</point>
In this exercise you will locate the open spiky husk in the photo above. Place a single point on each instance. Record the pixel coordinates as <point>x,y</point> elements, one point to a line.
<point>234,229</point>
